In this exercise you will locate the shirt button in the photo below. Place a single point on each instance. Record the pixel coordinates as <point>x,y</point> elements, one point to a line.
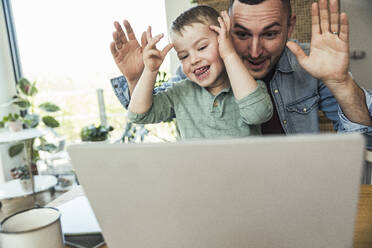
<point>215,104</point>
<point>285,122</point>
<point>305,109</point>
<point>276,91</point>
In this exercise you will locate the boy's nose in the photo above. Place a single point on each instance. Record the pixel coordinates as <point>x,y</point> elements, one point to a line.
<point>194,59</point>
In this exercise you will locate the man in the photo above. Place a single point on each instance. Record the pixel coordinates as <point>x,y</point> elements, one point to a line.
<point>301,78</point>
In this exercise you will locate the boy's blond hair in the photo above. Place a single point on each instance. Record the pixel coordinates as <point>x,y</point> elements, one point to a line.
<point>198,14</point>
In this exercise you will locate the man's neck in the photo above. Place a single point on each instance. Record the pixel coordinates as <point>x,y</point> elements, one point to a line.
<point>269,76</point>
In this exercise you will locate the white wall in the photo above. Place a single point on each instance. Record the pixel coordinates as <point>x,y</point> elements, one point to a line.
<point>7,90</point>
<point>173,9</point>
<point>360,20</point>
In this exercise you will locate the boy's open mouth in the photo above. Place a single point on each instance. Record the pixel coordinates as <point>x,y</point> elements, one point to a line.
<point>202,72</point>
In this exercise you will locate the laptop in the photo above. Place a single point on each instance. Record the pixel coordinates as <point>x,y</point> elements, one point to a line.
<point>262,192</point>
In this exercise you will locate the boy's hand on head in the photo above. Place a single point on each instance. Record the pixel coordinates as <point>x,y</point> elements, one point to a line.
<point>225,45</point>
<point>153,57</point>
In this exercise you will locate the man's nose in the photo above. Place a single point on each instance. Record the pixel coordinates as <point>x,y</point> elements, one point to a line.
<point>255,48</point>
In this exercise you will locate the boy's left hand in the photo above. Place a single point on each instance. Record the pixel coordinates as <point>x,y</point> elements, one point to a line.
<point>225,45</point>
<point>153,57</point>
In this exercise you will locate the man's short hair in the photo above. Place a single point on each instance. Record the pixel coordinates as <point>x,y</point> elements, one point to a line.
<point>286,4</point>
<point>199,14</point>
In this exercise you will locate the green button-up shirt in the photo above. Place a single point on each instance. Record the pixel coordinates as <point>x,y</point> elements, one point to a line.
<point>199,114</point>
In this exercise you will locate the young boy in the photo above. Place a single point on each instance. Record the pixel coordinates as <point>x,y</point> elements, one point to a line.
<point>219,99</point>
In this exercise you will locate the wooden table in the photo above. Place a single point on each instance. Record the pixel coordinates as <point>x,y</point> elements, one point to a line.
<point>363,225</point>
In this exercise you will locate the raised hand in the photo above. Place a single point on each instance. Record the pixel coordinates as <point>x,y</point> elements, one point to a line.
<point>225,45</point>
<point>127,52</point>
<point>152,57</point>
<point>329,50</point>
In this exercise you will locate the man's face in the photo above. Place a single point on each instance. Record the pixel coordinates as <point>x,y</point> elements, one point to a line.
<point>259,33</point>
<point>197,49</point>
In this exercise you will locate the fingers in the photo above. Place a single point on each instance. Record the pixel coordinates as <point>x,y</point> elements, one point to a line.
<point>344,27</point>
<point>296,50</point>
<point>148,34</point>
<point>222,25</point>
<point>143,39</point>
<point>315,28</point>
<point>150,44</point>
<point>215,28</point>
<point>113,49</point>
<point>152,41</point>
<point>323,13</point>
<point>166,49</point>
<point>153,53</point>
<point>128,28</point>
<point>226,20</point>
<point>120,35</point>
<point>327,21</point>
<point>335,16</point>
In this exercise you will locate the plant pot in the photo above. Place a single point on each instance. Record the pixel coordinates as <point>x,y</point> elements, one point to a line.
<point>15,126</point>
<point>26,184</point>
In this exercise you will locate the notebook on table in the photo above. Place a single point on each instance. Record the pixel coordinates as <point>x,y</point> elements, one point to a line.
<point>79,224</point>
<point>294,191</point>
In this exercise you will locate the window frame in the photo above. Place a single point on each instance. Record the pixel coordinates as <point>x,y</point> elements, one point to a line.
<point>12,37</point>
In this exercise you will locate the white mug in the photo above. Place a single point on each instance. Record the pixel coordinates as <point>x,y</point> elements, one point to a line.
<point>32,228</point>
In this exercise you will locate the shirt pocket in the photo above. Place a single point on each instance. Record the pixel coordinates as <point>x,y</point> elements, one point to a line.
<point>303,105</point>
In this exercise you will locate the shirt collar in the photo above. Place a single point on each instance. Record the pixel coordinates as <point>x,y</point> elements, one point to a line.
<point>284,64</point>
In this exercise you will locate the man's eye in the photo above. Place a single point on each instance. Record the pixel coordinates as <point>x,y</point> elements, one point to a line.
<point>241,35</point>
<point>202,47</point>
<point>270,35</point>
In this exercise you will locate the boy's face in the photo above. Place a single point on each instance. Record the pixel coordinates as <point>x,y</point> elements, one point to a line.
<point>197,49</point>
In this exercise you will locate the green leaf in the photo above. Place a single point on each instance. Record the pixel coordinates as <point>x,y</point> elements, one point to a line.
<point>33,91</point>
<point>49,107</point>
<point>16,149</point>
<point>24,86</point>
<point>42,140</point>
<point>35,155</point>
<point>31,120</point>
<point>22,102</point>
<point>50,121</point>
<point>48,147</point>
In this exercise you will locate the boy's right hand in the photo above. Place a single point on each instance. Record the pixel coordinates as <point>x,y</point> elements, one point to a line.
<point>225,45</point>
<point>152,57</point>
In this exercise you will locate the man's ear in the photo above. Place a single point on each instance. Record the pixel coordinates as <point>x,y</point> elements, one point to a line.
<point>291,26</point>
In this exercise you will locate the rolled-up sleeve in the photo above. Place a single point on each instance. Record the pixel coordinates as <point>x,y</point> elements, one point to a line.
<point>349,126</point>
<point>120,86</point>
<point>256,108</point>
<point>162,109</point>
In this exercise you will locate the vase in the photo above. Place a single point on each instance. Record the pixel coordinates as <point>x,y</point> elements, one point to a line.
<point>26,184</point>
<point>15,126</point>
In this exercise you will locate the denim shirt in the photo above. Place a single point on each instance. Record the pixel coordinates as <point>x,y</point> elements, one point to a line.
<point>297,98</point>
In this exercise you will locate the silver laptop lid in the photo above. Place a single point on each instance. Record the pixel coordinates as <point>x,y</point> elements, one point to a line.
<point>296,191</point>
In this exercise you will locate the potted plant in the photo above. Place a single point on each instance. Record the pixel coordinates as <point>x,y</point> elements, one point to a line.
<point>13,121</point>
<point>95,133</point>
<point>23,174</point>
<point>32,116</point>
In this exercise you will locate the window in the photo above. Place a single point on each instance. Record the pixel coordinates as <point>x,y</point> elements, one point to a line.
<point>64,47</point>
